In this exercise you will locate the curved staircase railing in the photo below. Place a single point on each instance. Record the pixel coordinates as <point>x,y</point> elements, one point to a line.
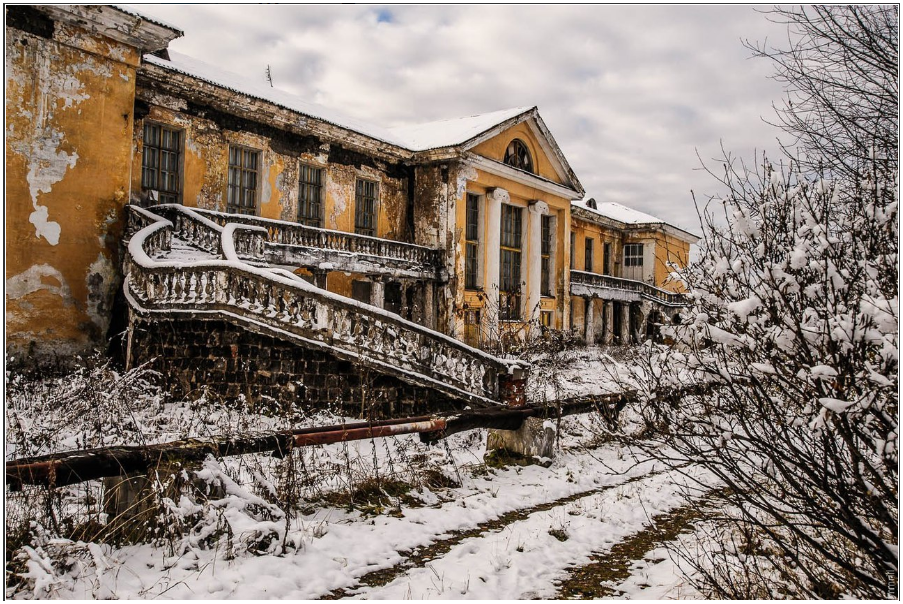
<point>294,309</point>
<point>642,290</point>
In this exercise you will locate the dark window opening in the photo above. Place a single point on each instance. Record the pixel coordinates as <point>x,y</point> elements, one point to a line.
<point>573,250</point>
<point>606,259</point>
<point>545,286</point>
<point>243,175</point>
<point>360,291</point>
<point>310,196</point>
<point>472,245</point>
<point>365,199</point>
<point>393,297</point>
<point>161,162</point>
<point>510,266</point>
<point>588,255</point>
<point>518,156</point>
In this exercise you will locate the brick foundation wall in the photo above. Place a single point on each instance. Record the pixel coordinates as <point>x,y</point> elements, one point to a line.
<point>274,375</point>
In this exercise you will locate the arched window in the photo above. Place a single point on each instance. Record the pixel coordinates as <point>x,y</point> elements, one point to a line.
<point>518,156</point>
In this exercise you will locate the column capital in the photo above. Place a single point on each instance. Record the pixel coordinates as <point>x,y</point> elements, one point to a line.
<point>539,207</point>
<point>498,194</point>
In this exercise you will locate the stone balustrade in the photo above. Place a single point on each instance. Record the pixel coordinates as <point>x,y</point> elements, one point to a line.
<point>299,311</point>
<point>583,283</point>
<point>292,234</point>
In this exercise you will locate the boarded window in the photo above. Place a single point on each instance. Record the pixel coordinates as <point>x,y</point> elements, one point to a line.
<point>244,165</point>
<point>365,198</point>
<point>310,196</point>
<point>472,327</point>
<point>509,269</point>
<point>161,163</point>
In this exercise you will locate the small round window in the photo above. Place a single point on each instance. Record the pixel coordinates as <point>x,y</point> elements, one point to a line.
<point>518,156</point>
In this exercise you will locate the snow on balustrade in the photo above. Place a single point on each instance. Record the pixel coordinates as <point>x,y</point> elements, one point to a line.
<point>290,233</point>
<point>298,311</point>
<point>586,284</point>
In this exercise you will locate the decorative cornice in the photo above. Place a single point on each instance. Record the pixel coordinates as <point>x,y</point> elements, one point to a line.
<point>524,178</point>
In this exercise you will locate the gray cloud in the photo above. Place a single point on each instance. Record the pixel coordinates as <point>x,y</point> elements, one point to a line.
<point>630,93</point>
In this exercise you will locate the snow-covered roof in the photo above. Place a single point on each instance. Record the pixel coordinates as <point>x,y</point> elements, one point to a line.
<point>625,215</point>
<point>131,10</point>
<point>442,134</point>
<point>616,211</point>
<point>450,132</point>
<point>231,81</point>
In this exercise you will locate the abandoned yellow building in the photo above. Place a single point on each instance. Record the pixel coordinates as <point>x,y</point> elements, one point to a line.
<point>472,227</point>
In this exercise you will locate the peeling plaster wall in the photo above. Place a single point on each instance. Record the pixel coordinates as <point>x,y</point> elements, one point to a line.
<point>205,156</point>
<point>69,99</point>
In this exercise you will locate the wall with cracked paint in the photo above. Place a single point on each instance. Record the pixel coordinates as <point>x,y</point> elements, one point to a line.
<point>69,100</point>
<point>204,165</point>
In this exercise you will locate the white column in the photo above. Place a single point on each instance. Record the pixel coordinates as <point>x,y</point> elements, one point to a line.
<point>377,294</point>
<point>608,330</point>
<point>625,323</point>
<point>494,200</point>
<point>534,265</point>
<point>588,323</point>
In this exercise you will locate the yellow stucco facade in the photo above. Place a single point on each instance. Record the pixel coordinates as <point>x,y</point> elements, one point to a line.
<point>79,105</point>
<point>69,99</point>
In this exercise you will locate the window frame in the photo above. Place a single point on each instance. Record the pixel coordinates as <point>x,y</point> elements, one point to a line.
<point>510,259</point>
<point>517,160</point>
<point>588,254</point>
<point>305,201</point>
<point>606,258</point>
<point>243,170</point>
<point>633,259</point>
<point>175,195</point>
<point>573,250</point>
<point>545,255</point>
<point>360,195</point>
<point>472,229</point>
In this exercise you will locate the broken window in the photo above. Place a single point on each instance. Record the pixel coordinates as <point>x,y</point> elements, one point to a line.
<point>546,257</point>
<point>472,245</point>
<point>365,199</point>
<point>160,163</point>
<point>518,156</point>
<point>310,196</point>
<point>588,256</point>
<point>243,175</point>
<point>509,277</point>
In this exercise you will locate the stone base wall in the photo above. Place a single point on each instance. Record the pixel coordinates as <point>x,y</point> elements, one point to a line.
<point>274,375</point>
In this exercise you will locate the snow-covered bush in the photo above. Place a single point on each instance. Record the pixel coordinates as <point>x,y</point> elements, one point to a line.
<point>794,326</point>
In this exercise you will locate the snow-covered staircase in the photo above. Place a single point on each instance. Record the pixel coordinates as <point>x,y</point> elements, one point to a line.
<point>184,262</point>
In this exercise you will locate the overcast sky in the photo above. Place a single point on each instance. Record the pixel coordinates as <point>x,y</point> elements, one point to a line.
<point>630,93</point>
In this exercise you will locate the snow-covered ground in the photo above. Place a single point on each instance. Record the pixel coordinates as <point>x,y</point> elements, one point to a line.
<point>480,532</point>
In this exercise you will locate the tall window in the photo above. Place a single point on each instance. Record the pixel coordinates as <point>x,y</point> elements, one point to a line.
<point>161,161</point>
<point>509,277</point>
<point>545,287</point>
<point>310,196</point>
<point>244,165</point>
<point>518,156</point>
<point>472,246</point>
<point>365,198</point>
<point>588,256</point>
<point>606,259</point>
<point>633,254</point>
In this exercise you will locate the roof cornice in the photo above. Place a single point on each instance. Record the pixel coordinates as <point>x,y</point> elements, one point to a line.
<point>126,27</point>
<point>524,178</point>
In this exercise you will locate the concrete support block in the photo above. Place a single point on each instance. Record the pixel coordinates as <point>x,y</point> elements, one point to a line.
<point>535,438</point>
<point>377,294</point>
